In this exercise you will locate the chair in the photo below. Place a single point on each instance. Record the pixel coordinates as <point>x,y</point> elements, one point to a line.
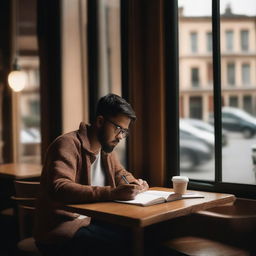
<point>26,194</point>
<point>227,230</point>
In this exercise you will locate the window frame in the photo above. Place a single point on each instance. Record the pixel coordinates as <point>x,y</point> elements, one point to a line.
<point>172,104</point>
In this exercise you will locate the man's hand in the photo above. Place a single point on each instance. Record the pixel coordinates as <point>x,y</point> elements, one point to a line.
<point>142,185</point>
<point>125,192</point>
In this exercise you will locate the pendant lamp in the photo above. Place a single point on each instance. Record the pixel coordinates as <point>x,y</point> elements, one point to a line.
<point>17,78</point>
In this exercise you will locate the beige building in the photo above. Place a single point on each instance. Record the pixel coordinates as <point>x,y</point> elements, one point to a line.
<point>238,63</point>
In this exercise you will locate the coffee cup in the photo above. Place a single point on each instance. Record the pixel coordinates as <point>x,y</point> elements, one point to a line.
<point>180,184</point>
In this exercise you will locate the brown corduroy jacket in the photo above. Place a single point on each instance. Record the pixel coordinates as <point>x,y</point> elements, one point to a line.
<point>66,179</point>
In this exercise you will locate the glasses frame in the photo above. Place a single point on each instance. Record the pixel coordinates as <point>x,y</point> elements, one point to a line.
<point>119,129</point>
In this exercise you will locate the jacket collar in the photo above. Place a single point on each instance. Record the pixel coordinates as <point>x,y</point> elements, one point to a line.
<point>83,136</point>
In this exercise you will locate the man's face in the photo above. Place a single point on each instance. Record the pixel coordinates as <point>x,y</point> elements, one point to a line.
<point>112,130</point>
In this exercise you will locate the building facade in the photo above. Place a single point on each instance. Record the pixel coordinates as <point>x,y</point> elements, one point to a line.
<point>238,64</point>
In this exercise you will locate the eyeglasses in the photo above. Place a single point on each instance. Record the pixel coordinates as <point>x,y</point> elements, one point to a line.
<point>124,132</point>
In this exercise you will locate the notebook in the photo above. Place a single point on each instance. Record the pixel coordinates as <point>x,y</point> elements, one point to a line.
<point>151,197</point>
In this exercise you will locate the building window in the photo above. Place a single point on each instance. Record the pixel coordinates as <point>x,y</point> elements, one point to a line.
<point>226,108</point>
<point>196,107</point>
<point>233,101</point>
<point>247,102</point>
<point>209,41</point>
<point>195,77</point>
<point>231,74</point>
<point>209,73</point>
<point>245,40</point>
<point>193,40</point>
<point>229,40</point>
<point>246,74</point>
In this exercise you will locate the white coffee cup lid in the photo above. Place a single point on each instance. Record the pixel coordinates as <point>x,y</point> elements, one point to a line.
<point>180,178</point>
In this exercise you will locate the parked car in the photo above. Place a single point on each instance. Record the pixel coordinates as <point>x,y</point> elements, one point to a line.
<point>30,135</point>
<point>204,126</point>
<point>237,120</point>
<point>254,154</point>
<point>30,139</point>
<point>196,146</point>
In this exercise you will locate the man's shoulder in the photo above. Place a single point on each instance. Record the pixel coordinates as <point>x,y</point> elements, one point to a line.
<point>70,137</point>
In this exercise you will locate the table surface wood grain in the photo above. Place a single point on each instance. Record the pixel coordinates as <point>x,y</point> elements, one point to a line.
<point>142,216</point>
<point>20,170</point>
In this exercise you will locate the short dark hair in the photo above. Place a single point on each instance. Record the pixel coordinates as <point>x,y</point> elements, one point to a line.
<point>113,105</point>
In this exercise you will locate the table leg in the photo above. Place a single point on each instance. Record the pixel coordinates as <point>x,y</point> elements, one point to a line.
<point>138,241</point>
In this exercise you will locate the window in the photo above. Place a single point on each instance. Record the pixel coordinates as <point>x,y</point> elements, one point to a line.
<point>246,74</point>
<point>196,107</point>
<point>29,111</point>
<point>196,145</point>
<point>229,40</point>
<point>247,102</point>
<point>231,74</point>
<point>231,108</point>
<point>195,77</point>
<point>109,56</point>
<point>237,118</point>
<point>209,73</point>
<point>209,41</point>
<point>193,41</point>
<point>244,40</point>
<point>233,101</point>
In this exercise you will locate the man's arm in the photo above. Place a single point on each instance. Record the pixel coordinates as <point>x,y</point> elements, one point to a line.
<point>60,172</point>
<point>120,172</point>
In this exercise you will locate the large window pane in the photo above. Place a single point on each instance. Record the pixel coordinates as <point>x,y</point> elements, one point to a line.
<point>29,112</point>
<point>238,113</point>
<point>26,103</point>
<point>196,91</point>
<point>109,49</point>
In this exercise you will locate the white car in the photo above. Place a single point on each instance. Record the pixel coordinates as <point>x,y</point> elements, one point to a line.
<point>254,154</point>
<point>204,126</point>
<point>196,146</point>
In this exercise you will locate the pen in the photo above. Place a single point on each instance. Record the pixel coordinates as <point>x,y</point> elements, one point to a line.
<point>124,178</point>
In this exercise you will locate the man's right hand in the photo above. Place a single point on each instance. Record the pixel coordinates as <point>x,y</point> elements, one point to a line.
<point>125,192</point>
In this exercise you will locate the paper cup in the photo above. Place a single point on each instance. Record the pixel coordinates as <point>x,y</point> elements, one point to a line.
<point>180,184</point>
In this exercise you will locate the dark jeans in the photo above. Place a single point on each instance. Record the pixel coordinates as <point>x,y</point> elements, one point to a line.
<point>98,238</point>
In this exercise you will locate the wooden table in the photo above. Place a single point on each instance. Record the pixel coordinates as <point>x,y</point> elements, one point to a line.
<point>20,170</point>
<point>139,217</point>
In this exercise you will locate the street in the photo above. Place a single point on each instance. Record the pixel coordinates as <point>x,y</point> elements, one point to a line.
<point>237,163</point>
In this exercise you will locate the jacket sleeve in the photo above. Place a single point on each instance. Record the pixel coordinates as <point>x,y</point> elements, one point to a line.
<point>119,170</point>
<point>59,175</point>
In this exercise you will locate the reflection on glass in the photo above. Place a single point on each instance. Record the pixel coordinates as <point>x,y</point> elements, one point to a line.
<point>196,91</point>
<point>239,104</point>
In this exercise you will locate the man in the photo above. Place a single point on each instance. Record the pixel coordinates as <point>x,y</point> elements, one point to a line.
<point>81,167</point>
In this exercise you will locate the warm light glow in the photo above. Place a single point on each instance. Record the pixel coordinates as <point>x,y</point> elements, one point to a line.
<point>17,80</point>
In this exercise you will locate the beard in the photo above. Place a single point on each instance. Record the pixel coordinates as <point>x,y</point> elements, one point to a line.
<point>106,147</point>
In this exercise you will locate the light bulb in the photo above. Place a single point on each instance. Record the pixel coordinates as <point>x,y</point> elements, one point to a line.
<point>17,80</point>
